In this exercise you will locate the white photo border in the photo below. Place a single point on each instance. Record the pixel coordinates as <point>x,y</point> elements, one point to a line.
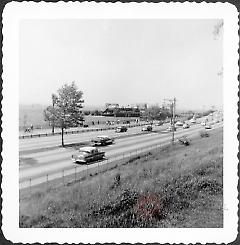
<point>16,11</point>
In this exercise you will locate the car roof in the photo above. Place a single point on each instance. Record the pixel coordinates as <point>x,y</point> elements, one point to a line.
<point>102,136</point>
<point>87,148</point>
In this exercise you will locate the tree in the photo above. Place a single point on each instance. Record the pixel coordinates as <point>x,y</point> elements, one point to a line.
<point>156,113</point>
<point>217,33</point>
<point>217,29</point>
<point>50,114</point>
<point>66,108</point>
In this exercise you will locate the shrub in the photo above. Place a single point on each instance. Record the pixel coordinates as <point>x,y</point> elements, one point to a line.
<point>204,133</point>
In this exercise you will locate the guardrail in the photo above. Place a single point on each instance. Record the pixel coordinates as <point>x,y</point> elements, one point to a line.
<point>77,131</point>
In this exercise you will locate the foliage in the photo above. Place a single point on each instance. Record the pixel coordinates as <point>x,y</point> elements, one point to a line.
<point>178,187</point>
<point>156,113</point>
<point>204,133</point>
<point>66,107</point>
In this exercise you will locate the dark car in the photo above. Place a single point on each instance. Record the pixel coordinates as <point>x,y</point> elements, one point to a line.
<point>102,140</point>
<point>121,129</point>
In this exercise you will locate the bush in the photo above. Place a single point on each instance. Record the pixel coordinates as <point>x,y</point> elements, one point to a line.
<point>204,133</point>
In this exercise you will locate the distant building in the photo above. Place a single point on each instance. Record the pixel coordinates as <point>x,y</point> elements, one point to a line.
<point>124,111</point>
<point>112,105</point>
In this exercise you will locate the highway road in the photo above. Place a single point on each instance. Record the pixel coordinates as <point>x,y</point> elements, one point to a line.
<point>54,160</point>
<point>39,144</point>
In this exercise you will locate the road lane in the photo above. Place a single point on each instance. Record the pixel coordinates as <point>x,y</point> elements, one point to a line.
<point>46,142</point>
<point>57,162</point>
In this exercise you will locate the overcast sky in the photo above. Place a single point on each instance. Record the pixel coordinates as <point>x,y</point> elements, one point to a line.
<point>122,61</point>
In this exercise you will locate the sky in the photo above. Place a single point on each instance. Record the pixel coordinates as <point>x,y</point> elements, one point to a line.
<point>122,61</point>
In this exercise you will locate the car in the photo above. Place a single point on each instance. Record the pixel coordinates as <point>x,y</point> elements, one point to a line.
<point>179,123</point>
<point>208,126</point>
<point>88,154</point>
<point>193,120</point>
<point>121,129</point>
<point>203,123</point>
<point>171,129</point>
<point>185,125</point>
<point>147,128</point>
<point>102,140</point>
<point>159,123</point>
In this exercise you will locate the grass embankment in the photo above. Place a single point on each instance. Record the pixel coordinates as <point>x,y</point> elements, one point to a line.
<point>177,186</point>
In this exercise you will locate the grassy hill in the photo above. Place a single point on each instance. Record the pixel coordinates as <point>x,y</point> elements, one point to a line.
<point>177,186</point>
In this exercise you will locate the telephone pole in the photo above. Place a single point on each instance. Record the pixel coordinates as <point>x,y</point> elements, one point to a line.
<point>174,110</point>
<point>172,105</point>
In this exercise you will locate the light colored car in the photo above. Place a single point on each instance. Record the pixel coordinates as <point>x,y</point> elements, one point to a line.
<point>185,125</point>
<point>102,140</point>
<point>88,154</point>
<point>179,124</point>
<point>171,128</point>
<point>147,128</point>
<point>193,120</point>
<point>203,123</point>
<point>159,123</point>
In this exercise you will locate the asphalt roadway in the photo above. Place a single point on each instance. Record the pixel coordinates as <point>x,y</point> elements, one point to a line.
<point>36,161</point>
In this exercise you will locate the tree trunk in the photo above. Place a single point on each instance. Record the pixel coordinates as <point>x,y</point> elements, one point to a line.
<point>52,129</point>
<point>62,137</point>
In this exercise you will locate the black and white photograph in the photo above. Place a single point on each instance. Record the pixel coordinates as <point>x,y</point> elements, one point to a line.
<point>121,116</point>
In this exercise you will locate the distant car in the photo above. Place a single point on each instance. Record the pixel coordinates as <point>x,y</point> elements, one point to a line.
<point>147,128</point>
<point>208,126</point>
<point>102,140</point>
<point>85,125</point>
<point>159,123</point>
<point>88,154</point>
<point>203,123</point>
<point>121,129</point>
<point>179,123</point>
<point>171,128</point>
<point>193,120</point>
<point>185,125</point>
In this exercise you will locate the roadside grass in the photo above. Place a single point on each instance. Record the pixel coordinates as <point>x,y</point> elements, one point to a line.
<point>176,186</point>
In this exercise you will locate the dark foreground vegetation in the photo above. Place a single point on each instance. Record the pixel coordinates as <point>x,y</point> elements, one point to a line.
<point>178,186</point>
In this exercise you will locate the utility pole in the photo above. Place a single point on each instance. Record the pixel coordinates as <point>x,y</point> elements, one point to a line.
<point>174,109</point>
<point>172,104</point>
